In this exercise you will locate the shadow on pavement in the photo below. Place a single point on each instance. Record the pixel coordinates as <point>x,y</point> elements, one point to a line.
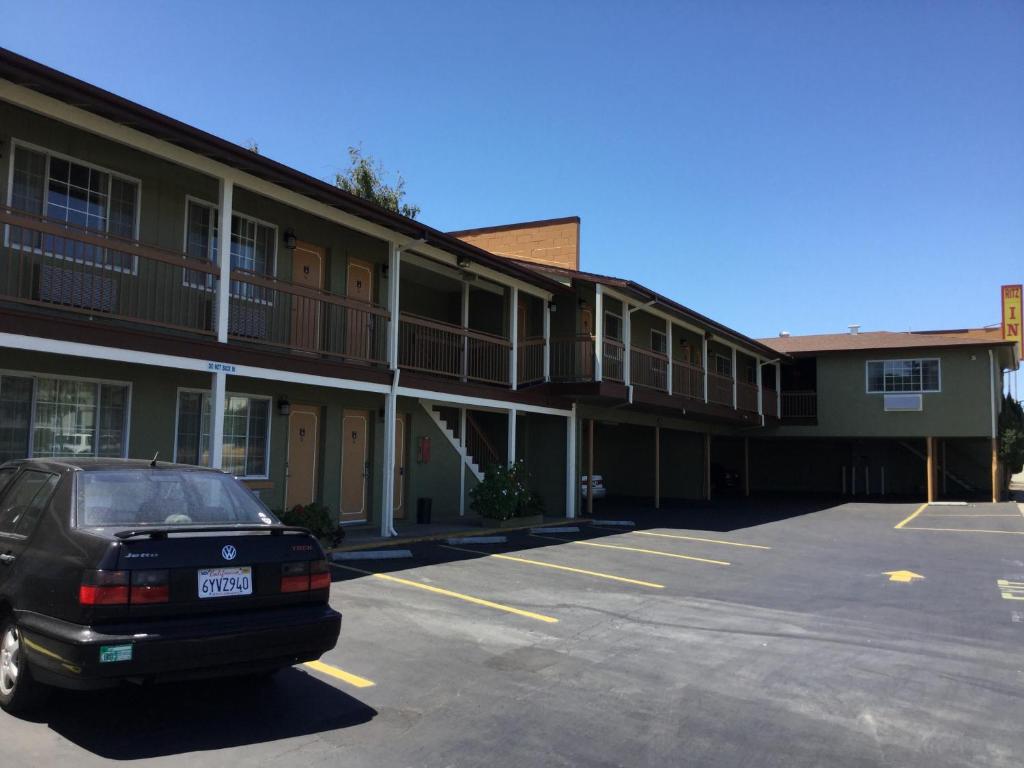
<point>133,723</point>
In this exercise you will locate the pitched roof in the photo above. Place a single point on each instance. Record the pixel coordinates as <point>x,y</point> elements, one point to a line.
<point>63,87</point>
<point>883,340</point>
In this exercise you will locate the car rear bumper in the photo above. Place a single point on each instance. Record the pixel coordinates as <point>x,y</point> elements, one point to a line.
<point>68,655</point>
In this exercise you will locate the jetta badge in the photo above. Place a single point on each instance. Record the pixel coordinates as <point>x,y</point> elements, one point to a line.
<point>229,552</point>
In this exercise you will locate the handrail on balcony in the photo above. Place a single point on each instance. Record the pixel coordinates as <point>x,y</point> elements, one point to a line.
<point>720,389</point>
<point>572,358</point>
<point>800,405</point>
<point>51,264</point>
<point>442,348</point>
<point>648,369</point>
<point>530,361</point>
<point>770,401</point>
<point>746,396</point>
<point>687,380</point>
<point>612,367</point>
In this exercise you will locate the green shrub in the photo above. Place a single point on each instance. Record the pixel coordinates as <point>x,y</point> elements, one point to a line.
<point>1011,437</point>
<point>316,517</point>
<point>504,493</point>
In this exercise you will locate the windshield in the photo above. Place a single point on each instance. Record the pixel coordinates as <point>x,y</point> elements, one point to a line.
<point>165,497</point>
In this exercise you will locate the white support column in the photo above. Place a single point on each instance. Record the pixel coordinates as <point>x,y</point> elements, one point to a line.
<point>394,279</point>
<point>511,436</point>
<point>778,390</point>
<point>513,361</point>
<point>706,363</point>
<point>668,350</point>
<point>547,340</point>
<point>627,345</point>
<point>387,504</point>
<point>572,481</point>
<point>760,391</point>
<point>734,378</point>
<point>462,463</point>
<point>598,330</point>
<point>217,420</point>
<point>465,325</point>
<point>227,191</point>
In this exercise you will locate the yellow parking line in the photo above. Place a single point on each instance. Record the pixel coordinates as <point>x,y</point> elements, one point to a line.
<point>964,530</point>
<point>935,516</point>
<point>635,549</point>
<point>916,512</point>
<point>561,568</point>
<point>698,538</point>
<point>340,674</point>
<point>449,593</point>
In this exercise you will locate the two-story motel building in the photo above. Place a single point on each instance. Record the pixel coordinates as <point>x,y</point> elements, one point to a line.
<point>347,355</point>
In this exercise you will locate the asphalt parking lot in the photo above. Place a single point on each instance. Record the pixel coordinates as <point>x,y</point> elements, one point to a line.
<point>733,634</point>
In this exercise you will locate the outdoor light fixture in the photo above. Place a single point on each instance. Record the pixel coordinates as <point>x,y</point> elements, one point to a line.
<point>552,308</point>
<point>289,239</point>
<point>284,407</point>
<point>462,261</point>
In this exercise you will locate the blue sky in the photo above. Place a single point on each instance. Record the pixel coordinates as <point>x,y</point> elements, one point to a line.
<point>776,165</point>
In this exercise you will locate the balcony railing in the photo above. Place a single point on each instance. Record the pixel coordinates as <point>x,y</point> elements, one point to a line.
<point>688,380</point>
<point>648,369</point>
<point>50,264</point>
<point>720,389</point>
<point>530,361</point>
<point>275,312</point>
<point>572,359</point>
<point>451,350</point>
<point>746,396</point>
<point>770,402</point>
<point>611,362</point>
<point>799,405</point>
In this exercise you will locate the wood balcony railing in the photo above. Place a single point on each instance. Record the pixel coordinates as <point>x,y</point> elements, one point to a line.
<point>451,350</point>
<point>50,264</point>
<point>530,361</point>
<point>572,359</point>
<point>799,405</point>
<point>746,396</point>
<point>648,369</point>
<point>771,402</point>
<point>720,389</point>
<point>278,313</point>
<point>688,380</point>
<point>612,367</point>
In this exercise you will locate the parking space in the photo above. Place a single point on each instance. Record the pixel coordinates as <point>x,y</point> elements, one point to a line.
<point>739,633</point>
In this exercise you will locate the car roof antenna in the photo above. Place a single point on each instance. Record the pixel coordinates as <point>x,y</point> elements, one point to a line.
<point>153,462</point>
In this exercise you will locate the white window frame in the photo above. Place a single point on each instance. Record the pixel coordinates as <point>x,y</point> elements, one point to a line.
<point>920,360</point>
<point>220,243</point>
<point>728,359</point>
<point>270,422</point>
<point>49,153</point>
<point>35,376</point>
<point>664,342</point>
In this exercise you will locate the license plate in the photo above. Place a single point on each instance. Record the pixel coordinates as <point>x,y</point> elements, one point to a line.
<point>225,582</point>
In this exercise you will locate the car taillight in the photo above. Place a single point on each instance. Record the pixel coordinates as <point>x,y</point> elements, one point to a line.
<point>150,587</point>
<point>319,575</point>
<point>104,588</point>
<point>305,576</point>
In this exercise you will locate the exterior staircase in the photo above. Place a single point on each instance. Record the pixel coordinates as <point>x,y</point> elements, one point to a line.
<point>968,487</point>
<point>474,447</point>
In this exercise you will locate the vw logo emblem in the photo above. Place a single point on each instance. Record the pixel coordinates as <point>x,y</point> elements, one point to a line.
<point>229,552</point>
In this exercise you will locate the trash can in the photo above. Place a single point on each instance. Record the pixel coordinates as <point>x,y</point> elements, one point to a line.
<point>423,510</point>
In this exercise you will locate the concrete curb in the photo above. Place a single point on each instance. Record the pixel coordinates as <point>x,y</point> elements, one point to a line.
<point>479,540</point>
<point>557,529</point>
<point>371,554</point>
<point>619,523</point>
<point>405,540</point>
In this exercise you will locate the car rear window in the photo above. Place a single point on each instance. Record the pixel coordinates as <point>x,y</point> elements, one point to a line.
<point>165,497</point>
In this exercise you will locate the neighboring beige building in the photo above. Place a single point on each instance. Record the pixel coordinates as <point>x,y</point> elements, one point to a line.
<point>552,242</point>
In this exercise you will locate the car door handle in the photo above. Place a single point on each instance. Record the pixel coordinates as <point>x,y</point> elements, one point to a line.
<point>7,559</point>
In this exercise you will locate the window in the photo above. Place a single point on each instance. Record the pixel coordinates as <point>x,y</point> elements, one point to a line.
<point>78,195</point>
<point>24,505</point>
<point>246,432</point>
<point>659,342</point>
<point>903,375</point>
<point>253,243</point>
<point>5,476</point>
<point>612,326</point>
<point>51,416</point>
<point>723,365</point>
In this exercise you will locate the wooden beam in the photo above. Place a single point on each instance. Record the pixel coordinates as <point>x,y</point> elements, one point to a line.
<point>746,466</point>
<point>930,445</point>
<point>707,466</point>
<point>590,470</point>
<point>996,490</point>
<point>657,467</point>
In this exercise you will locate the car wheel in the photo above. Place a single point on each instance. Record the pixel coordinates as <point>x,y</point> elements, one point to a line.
<point>19,692</point>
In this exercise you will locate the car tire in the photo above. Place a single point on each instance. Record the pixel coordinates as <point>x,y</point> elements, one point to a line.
<point>19,691</point>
